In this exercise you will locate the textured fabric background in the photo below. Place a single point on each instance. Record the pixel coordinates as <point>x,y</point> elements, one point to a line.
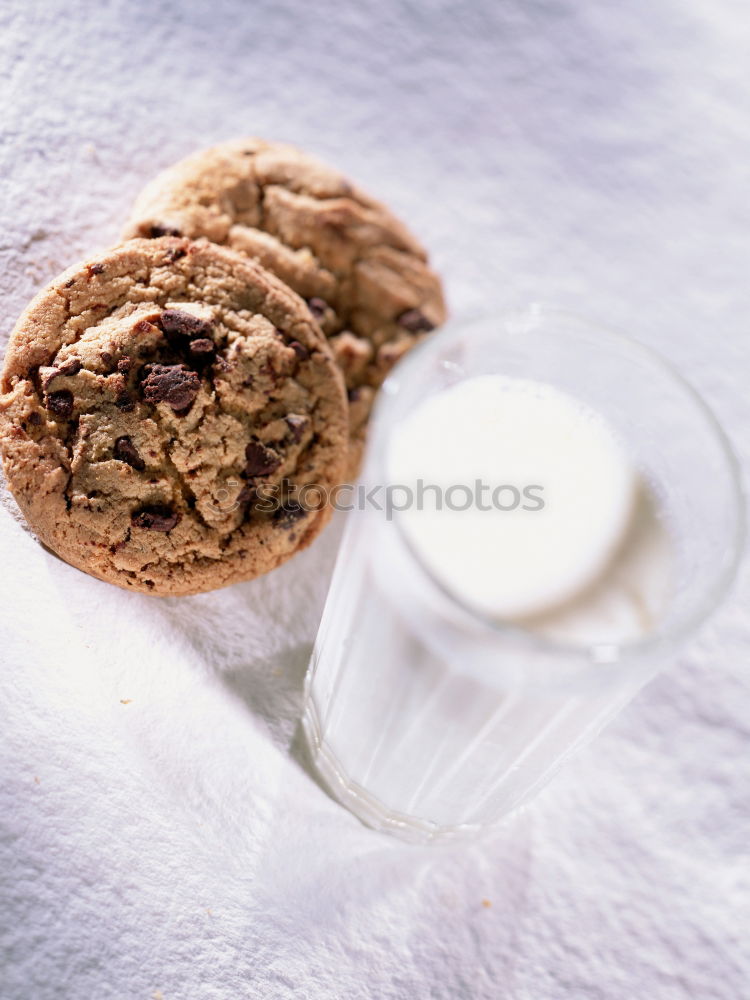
<point>591,153</point>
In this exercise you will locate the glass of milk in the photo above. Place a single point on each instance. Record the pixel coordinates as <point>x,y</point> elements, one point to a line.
<point>545,511</point>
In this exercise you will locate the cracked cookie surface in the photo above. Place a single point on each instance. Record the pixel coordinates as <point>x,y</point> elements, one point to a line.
<point>365,277</point>
<point>150,397</point>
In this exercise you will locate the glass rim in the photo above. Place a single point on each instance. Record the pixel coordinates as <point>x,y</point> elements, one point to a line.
<point>627,650</point>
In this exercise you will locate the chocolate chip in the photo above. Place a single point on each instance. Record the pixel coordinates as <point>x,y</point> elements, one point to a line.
<point>69,283</point>
<point>95,269</point>
<point>125,451</point>
<point>297,425</point>
<point>174,254</point>
<point>155,518</point>
<point>60,404</point>
<point>35,418</point>
<point>182,327</point>
<point>125,402</point>
<point>288,513</point>
<point>246,495</point>
<point>202,349</point>
<point>173,384</point>
<point>124,365</point>
<point>300,350</point>
<point>144,326</point>
<point>415,321</point>
<point>107,358</point>
<point>45,375</point>
<point>156,231</point>
<point>71,367</point>
<point>176,323</point>
<point>260,461</point>
<point>317,306</point>
<point>353,394</point>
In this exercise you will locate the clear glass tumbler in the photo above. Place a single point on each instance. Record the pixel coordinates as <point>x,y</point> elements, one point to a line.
<point>431,722</point>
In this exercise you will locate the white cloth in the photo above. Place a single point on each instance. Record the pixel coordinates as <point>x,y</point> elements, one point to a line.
<point>157,836</point>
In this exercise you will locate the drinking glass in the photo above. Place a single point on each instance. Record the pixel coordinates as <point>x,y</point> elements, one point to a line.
<point>432,722</point>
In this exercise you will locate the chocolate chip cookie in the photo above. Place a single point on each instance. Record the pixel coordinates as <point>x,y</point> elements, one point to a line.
<point>161,408</point>
<point>364,276</point>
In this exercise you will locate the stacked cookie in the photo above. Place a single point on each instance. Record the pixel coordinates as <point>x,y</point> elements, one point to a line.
<point>165,404</point>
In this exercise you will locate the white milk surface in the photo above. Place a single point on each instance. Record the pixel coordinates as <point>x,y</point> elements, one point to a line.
<point>560,533</point>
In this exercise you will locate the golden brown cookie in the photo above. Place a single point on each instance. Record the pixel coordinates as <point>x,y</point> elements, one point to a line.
<point>151,397</point>
<point>363,274</point>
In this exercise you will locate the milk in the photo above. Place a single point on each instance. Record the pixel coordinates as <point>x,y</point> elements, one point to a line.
<point>572,545</point>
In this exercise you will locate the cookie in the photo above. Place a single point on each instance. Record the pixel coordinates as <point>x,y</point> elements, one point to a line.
<point>364,276</point>
<point>161,407</point>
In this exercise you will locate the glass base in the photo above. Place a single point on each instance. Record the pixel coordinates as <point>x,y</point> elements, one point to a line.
<point>366,807</point>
